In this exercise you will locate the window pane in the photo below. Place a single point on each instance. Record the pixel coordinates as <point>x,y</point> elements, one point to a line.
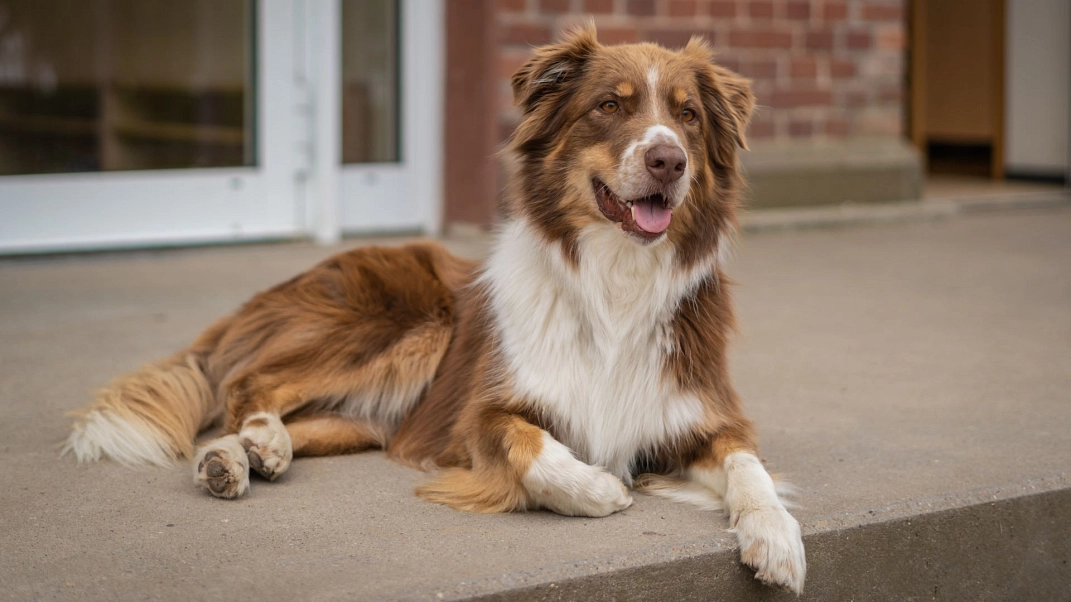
<point>370,81</point>
<point>103,85</point>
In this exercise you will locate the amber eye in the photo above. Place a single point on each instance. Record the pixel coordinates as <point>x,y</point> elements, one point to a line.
<point>687,115</point>
<point>609,107</point>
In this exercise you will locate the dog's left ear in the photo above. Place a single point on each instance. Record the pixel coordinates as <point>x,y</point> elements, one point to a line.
<point>727,101</point>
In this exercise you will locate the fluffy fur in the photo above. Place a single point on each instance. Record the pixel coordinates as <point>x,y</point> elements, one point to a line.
<point>587,355</point>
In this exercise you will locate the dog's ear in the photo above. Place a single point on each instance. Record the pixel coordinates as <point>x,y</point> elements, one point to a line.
<point>727,101</point>
<point>552,67</point>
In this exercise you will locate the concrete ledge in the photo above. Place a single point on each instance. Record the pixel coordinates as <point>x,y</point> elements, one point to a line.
<point>997,548</point>
<point>863,170</point>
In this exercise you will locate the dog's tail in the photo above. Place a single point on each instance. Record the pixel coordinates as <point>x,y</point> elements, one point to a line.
<point>151,416</point>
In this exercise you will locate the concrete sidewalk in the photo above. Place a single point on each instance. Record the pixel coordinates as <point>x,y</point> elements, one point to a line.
<point>913,379</point>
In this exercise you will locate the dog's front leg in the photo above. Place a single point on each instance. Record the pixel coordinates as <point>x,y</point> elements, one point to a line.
<point>557,481</point>
<point>519,466</point>
<point>769,537</point>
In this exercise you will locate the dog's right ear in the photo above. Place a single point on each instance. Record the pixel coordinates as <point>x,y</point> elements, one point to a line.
<point>543,78</point>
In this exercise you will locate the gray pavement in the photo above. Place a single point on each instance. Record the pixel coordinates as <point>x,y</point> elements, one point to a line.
<point>911,378</point>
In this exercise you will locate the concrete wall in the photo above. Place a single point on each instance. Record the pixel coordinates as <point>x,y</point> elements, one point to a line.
<point>1038,85</point>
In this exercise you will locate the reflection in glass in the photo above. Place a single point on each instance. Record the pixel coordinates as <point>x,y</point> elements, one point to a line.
<point>370,81</point>
<point>103,85</point>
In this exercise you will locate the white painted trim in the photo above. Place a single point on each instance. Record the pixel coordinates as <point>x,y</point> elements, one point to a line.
<point>407,195</point>
<point>325,49</point>
<point>424,104</point>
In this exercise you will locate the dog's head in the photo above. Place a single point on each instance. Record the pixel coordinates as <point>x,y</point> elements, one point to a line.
<point>634,136</point>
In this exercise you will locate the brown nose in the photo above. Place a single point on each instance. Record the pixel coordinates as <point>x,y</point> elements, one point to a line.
<point>666,162</point>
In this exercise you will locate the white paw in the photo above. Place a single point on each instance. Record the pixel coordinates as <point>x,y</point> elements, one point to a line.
<point>222,468</point>
<point>559,482</point>
<point>771,543</point>
<point>267,444</point>
<point>607,495</point>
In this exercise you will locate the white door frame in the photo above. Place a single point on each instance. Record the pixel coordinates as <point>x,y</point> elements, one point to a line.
<point>380,197</point>
<point>59,212</point>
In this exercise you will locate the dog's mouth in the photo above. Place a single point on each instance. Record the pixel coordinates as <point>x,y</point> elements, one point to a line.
<point>647,217</point>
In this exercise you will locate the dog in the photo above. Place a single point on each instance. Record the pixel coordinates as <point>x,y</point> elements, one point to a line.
<point>584,359</point>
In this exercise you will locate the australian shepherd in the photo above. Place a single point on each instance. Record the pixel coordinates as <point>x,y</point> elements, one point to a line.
<point>584,359</point>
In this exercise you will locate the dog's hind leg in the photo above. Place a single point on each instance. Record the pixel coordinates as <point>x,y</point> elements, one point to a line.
<point>331,434</point>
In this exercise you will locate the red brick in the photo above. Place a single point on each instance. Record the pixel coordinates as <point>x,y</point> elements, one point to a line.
<point>819,40</point>
<point>641,8</point>
<point>730,63</point>
<point>510,62</point>
<point>761,128</point>
<point>892,95</point>
<point>760,38</point>
<point>883,12</point>
<point>803,67</point>
<point>839,68</point>
<point>799,97</point>
<point>891,38</point>
<point>683,8</point>
<point>554,6</point>
<point>722,8</point>
<point>510,5</point>
<point>602,7</point>
<point>798,10</point>
<point>760,9</point>
<point>837,127</point>
<point>525,33</point>
<point>618,35</point>
<point>759,69</point>
<point>858,40</point>
<point>856,99</point>
<point>800,129</point>
<point>834,11</point>
<point>675,37</point>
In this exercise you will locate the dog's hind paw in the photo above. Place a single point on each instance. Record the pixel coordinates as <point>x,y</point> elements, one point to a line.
<point>222,468</point>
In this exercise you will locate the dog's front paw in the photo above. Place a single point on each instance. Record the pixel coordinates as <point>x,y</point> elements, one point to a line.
<point>771,543</point>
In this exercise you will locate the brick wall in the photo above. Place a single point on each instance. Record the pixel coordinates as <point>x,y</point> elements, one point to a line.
<point>821,68</point>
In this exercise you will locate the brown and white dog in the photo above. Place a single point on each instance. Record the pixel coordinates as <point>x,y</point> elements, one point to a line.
<point>587,355</point>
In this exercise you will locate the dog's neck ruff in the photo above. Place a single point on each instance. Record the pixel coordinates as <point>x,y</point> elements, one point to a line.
<point>586,344</point>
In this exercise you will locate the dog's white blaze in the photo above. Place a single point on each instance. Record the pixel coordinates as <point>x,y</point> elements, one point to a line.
<point>558,481</point>
<point>760,519</point>
<point>589,345</point>
<point>633,180</point>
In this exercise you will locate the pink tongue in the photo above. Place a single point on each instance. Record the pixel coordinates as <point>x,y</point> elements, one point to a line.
<point>651,216</point>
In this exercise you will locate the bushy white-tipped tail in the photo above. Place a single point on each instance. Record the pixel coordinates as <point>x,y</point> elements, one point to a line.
<point>102,434</point>
<point>148,417</point>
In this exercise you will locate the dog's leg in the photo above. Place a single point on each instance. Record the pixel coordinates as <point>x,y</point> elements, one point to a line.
<point>519,466</point>
<point>769,537</point>
<point>327,435</point>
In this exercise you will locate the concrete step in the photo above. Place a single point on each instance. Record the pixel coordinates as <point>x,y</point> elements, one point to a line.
<point>910,378</point>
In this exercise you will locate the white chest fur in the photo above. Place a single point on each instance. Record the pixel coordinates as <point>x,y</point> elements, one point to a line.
<point>588,346</point>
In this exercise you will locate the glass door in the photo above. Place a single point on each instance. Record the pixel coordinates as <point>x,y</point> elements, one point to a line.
<point>391,105</point>
<point>127,122</point>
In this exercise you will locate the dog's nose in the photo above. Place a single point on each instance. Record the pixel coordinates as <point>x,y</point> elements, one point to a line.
<point>666,162</point>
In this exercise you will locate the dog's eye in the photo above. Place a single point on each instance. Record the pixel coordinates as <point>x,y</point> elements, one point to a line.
<point>687,115</point>
<point>609,107</point>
